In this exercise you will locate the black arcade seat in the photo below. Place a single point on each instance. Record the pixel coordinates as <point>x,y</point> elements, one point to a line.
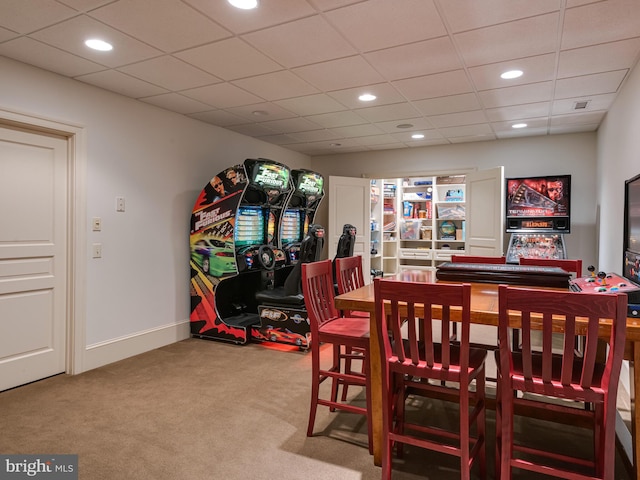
<point>290,294</point>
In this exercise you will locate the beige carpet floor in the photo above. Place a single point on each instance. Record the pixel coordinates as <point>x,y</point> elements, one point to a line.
<point>208,410</point>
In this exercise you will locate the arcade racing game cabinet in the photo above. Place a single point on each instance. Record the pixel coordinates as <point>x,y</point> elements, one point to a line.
<point>283,317</point>
<point>233,248</point>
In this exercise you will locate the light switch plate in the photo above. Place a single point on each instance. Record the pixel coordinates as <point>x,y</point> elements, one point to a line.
<point>97,224</point>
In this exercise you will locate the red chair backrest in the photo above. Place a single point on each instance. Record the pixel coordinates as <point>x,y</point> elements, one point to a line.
<point>571,266</point>
<point>477,259</point>
<point>317,288</point>
<point>404,302</point>
<point>349,274</point>
<point>548,310</point>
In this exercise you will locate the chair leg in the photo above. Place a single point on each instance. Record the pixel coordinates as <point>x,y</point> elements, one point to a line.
<point>506,422</point>
<point>481,424</point>
<point>387,425</point>
<point>465,473</point>
<point>335,383</point>
<point>315,388</point>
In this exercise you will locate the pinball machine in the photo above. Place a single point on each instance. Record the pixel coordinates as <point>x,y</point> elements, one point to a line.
<point>538,216</point>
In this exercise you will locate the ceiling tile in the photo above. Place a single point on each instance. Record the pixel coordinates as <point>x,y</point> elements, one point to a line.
<point>523,132</point>
<point>357,131</point>
<point>229,59</point>
<point>6,34</point>
<point>291,125</point>
<point>222,118</point>
<point>317,135</point>
<point>25,17</point>
<point>473,138</point>
<point>462,118</point>
<point>260,112</point>
<point>521,94</point>
<point>418,123</point>
<point>596,102</point>
<point>518,112</point>
<point>353,71</point>
<point>177,103</point>
<point>316,41</point>
<point>121,83</point>
<point>222,95</point>
<point>380,24</point>
<point>449,104</point>
<point>384,92</point>
<point>587,118</point>
<point>337,119</point>
<point>600,22</point>
<point>428,135</point>
<point>70,35</point>
<point>422,58</point>
<point>276,86</point>
<point>598,83</point>
<point>279,139</point>
<point>377,140</point>
<point>432,86</point>
<point>532,123</point>
<point>311,104</point>
<point>535,69</point>
<point>272,12</point>
<point>598,58</point>
<point>464,15</point>
<point>41,55</point>
<point>85,5</point>
<point>385,113</point>
<point>165,24</point>
<point>572,128</point>
<point>326,5</point>
<point>509,40</point>
<point>170,73</point>
<point>465,131</point>
<point>252,130</point>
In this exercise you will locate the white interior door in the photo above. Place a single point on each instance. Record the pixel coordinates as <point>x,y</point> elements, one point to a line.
<point>485,207</point>
<point>33,256</point>
<point>350,202</point>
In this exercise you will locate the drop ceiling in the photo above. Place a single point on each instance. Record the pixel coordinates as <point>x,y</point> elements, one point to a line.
<point>290,71</point>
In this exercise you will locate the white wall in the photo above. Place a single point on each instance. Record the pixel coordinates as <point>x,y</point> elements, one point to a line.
<point>618,160</point>
<point>159,161</point>
<point>573,154</point>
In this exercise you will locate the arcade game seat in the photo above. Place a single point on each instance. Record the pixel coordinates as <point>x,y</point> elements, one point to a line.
<point>345,248</point>
<point>290,293</point>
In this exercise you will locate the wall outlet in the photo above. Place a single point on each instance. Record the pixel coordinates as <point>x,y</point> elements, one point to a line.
<point>119,204</point>
<point>96,250</point>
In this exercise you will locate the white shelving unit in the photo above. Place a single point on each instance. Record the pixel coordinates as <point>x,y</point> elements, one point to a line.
<point>416,223</point>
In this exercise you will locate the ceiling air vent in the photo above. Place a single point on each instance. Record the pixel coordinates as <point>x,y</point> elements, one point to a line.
<point>580,105</point>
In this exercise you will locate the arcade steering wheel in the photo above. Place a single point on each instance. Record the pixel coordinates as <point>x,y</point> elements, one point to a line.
<point>266,257</point>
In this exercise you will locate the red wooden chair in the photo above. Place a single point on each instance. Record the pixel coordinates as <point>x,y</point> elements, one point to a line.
<point>560,376</point>
<point>349,338</point>
<point>477,259</point>
<point>571,266</point>
<point>409,364</point>
<point>349,276</point>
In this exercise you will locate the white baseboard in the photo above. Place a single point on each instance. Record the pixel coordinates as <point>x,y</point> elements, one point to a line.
<point>104,353</point>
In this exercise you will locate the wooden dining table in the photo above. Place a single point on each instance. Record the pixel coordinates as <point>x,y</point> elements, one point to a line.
<point>484,311</point>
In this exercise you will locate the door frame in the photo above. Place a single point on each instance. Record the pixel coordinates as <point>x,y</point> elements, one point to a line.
<point>75,135</point>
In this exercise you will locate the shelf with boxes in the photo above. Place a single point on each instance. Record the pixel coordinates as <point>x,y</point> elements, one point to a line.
<point>450,218</point>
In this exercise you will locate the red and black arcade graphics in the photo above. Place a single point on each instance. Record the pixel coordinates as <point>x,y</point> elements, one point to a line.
<point>283,316</point>
<point>538,214</point>
<point>234,248</point>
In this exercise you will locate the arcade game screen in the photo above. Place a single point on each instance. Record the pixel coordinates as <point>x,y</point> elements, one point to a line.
<point>249,227</point>
<point>291,229</point>
<point>536,197</point>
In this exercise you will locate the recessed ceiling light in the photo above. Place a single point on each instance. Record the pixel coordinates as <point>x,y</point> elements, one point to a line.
<point>518,125</point>
<point>417,136</point>
<point>511,74</point>
<point>335,144</point>
<point>244,4</point>
<point>97,44</point>
<point>260,113</point>
<point>367,97</point>
<point>405,125</point>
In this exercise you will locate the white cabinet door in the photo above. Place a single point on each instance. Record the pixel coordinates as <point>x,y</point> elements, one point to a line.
<point>485,212</point>
<point>350,202</point>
